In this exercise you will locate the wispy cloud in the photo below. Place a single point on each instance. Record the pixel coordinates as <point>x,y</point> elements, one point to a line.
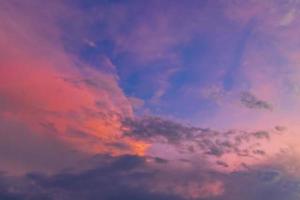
<point>252,102</point>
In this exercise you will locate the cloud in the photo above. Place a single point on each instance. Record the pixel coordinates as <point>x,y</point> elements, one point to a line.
<point>51,92</point>
<point>150,127</point>
<point>123,177</point>
<point>63,111</point>
<point>136,177</point>
<point>250,101</point>
<point>128,176</point>
<point>288,18</point>
<point>23,150</point>
<point>228,150</point>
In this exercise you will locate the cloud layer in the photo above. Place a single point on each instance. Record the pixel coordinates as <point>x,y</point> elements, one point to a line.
<point>149,100</point>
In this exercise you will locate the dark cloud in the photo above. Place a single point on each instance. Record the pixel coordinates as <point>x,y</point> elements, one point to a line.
<point>191,139</point>
<point>259,152</point>
<point>260,184</point>
<point>160,160</point>
<point>252,102</point>
<point>153,127</point>
<point>114,178</point>
<point>280,128</point>
<point>132,177</point>
<point>222,163</point>
<point>261,134</point>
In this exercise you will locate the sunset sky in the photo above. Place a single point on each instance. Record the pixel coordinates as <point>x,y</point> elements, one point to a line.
<point>149,99</point>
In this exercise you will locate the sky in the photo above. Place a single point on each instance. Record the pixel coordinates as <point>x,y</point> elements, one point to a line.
<point>149,99</point>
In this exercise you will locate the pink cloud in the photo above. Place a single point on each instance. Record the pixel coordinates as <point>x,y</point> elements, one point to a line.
<point>42,86</point>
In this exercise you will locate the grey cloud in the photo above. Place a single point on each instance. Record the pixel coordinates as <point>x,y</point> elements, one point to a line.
<point>132,177</point>
<point>222,163</point>
<point>260,184</point>
<point>252,102</point>
<point>151,127</point>
<point>259,152</point>
<point>191,139</point>
<point>261,134</point>
<point>124,177</point>
<point>280,128</point>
